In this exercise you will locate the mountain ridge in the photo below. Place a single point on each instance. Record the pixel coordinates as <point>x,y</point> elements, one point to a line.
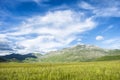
<point>76,53</point>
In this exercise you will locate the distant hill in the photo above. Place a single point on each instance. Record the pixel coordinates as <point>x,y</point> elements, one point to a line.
<point>75,54</point>
<point>72,54</point>
<point>16,57</point>
<point>2,59</point>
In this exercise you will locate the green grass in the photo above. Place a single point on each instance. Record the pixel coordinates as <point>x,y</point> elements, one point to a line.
<point>109,58</point>
<point>106,70</point>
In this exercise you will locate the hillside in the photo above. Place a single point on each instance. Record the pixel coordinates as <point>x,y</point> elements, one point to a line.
<point>75,54</point>
<point>72,54</point>
<point>16,57</point>
<point>108,58</point>
<point>112,55</point>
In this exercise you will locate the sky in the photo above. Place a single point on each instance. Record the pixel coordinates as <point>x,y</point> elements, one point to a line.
<point>41,26</point>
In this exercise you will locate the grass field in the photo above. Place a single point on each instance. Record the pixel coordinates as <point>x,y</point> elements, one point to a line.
<point>106,70</point>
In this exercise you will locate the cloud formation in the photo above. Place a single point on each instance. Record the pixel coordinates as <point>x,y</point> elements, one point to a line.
<point>99,38</point>
<point>113,43</point>
<point>50,32</point>
<point>85,5</point>
<point>103,8</point>
<point>43,25</point>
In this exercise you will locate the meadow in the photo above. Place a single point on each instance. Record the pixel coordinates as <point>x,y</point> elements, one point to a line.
<point>102,70</point>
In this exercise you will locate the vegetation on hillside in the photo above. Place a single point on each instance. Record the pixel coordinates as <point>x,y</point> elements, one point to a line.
<point>78,53</point>
<point>108,58</point>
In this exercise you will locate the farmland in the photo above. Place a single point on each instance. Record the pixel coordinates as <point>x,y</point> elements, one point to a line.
<point>102,70</point>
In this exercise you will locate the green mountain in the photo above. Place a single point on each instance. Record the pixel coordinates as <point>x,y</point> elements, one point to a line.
<point>108,58</point>
<point>72,54</point>
<point>76,54</point>
<point>16,57</point>
<point>112,55</point>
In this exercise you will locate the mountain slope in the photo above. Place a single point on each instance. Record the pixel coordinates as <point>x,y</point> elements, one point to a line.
<point>112,55</point>
<point>16,57</point>
<point>2,59</point>
<point>75,54</point>
<point>108,58</point>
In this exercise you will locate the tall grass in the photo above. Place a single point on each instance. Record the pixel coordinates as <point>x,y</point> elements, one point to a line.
<point>107,70</point>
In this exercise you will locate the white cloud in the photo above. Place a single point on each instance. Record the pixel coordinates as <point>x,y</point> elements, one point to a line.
<point>104,8</point>
<point>53,31</point>
<point>107,12</point>
<point>109,41</point>
<point>79,40</point>
<point>99,38</point>
<point>5,46</point>
<point>107,29</point>
<point>108,8</point>
<point>2,53</point>
<point>61,7</point>
<point>30,0</point>
<point>85,5</point>
<point>2,37</point>
<point>37,1</point>
<point>112,43</point>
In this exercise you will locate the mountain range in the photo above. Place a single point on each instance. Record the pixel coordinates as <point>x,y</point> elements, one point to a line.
<point>16,57</point>
<point>72,54</point>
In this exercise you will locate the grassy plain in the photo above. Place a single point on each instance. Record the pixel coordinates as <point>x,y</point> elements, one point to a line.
<point>104,70</point>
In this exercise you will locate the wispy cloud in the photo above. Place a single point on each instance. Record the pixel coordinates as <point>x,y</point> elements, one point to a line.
<point>37,1</point>
<point>85,5</point>
<point>113,43</point>
<point>103,9</point>
<point>5,48</point>
<point>107,12</point>
<point>57,27</point>
<point>52,31</point>
<point>108,28</point>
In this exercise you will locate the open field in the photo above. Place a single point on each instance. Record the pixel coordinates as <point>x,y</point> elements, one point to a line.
<point>106,70</point>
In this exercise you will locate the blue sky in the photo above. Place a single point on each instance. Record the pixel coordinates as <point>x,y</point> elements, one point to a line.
<point>47,25</point>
